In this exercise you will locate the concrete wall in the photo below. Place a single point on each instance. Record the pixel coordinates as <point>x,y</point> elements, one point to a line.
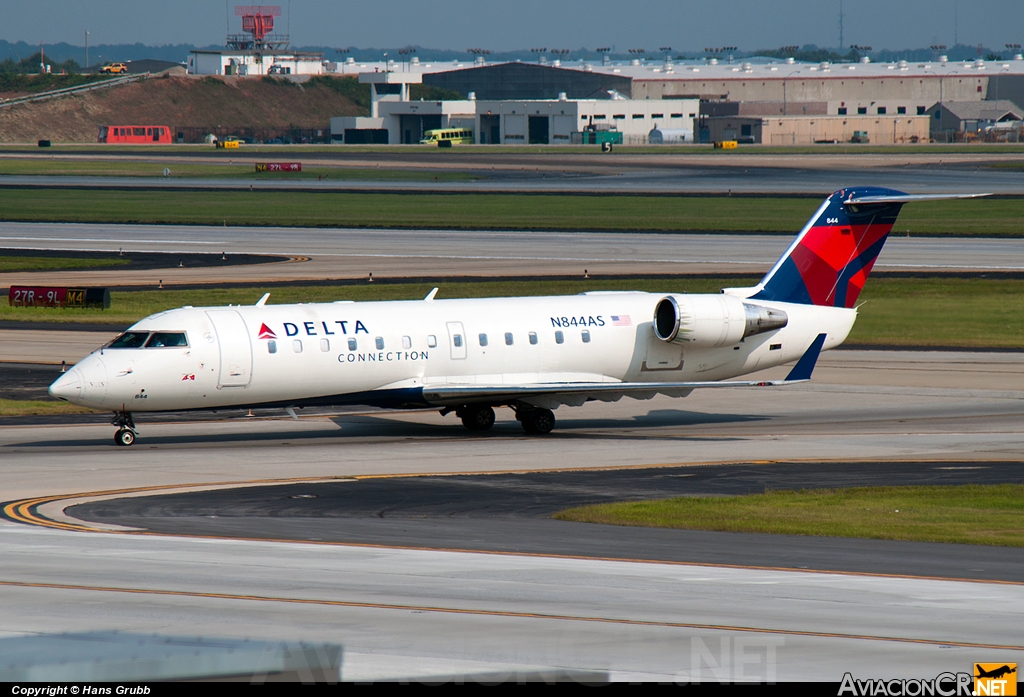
<point>807,130</point>
<point>253,64</point>
<point>896,90</point>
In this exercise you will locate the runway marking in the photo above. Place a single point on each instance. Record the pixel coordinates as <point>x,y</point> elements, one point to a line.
<point>509,613</point>
<point>26,512</point>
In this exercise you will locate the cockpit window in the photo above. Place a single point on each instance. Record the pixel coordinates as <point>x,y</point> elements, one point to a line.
<point>129,340</point>
<point>167,340</point>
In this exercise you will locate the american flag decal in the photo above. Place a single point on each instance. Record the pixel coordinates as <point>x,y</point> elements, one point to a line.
<point>621,321</point>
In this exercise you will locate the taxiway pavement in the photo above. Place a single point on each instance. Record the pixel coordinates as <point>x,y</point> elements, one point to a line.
<point>340,253</point>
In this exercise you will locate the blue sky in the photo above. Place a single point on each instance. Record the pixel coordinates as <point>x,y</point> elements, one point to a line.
<point>514,24</point>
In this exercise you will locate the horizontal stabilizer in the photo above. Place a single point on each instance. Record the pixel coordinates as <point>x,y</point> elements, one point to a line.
<point>854,199</point>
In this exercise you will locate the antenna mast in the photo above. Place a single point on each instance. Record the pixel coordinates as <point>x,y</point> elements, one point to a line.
<point>840,25</point>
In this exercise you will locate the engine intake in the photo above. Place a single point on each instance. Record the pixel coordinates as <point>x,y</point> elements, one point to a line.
<point>712,320</point>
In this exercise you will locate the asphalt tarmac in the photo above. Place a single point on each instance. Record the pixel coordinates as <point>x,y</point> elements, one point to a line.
<point>553,172</point>
<point>511,513</point>
<point>340,253</point>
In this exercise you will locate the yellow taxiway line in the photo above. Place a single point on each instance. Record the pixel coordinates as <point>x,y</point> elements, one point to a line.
<point>508,613</point>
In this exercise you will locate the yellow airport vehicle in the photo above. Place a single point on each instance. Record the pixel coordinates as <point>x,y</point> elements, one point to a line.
<point>445,137</point>
<point>726,144</point>
<point>114,68</point>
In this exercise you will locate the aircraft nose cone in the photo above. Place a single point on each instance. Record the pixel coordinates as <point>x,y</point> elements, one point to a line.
<point>67,387</point>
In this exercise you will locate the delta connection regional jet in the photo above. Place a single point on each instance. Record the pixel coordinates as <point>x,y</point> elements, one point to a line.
<point>469,356</point>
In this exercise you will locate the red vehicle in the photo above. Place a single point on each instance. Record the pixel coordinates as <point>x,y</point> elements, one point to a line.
<point>135,134</point>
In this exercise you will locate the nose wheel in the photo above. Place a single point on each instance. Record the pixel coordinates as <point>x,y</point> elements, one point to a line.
<point>125,434</point>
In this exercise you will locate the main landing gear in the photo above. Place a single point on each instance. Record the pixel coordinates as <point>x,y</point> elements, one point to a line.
<point>537,422</point>
<point>476,417</point>
<point>125,428</point>
<point>480,417</point>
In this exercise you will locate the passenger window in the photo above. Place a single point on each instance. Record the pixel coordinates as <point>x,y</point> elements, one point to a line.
<point>508,338</point>
<point>352,344</point>
<point>406,342</point>
<point>457,340</point>
<point>129,340</point>
<point>379,341</point>
<point>271,346</point>
<point>432,341</point>
<point>559,338</point>
<point>325,345</point>
<point>586,336</point>
<point>167,340</point>
<point>297,346</point>
<point>483,339</point>
<point>533,338</point>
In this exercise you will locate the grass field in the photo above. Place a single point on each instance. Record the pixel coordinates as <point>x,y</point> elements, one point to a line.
<point>213,170</point>
<point>955,312</point>
<point>972,514</point>
<point>55,263</point>
<point>27,407</point>
<point>987,217</point>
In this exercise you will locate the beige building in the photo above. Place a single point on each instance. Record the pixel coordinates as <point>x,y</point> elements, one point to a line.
<point>808,130</point>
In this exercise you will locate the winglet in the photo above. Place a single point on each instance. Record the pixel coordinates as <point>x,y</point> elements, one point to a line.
<point>430,295</point>
<point>805,366</point>
<point>263,301</point>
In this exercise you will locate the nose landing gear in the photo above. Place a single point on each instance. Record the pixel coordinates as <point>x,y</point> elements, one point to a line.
<point>125,428</point>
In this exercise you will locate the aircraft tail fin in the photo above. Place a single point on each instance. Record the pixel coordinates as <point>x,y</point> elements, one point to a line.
<point>830,260</point>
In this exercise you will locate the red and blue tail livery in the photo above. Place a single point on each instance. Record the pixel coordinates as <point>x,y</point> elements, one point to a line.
<point>832,256</point>
<point>829,261</point>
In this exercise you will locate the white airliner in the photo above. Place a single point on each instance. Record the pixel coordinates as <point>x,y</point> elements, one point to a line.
<point>532,354</point>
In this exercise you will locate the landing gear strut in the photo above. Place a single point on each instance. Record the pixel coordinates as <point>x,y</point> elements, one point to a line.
<point>125,428</point>
<point>476,417</point>
<point>536,421</point>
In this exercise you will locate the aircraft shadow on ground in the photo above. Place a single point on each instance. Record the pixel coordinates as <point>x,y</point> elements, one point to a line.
<point>386,426</point>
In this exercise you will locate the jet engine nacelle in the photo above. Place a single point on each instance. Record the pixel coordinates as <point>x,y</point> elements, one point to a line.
<point>712,320</point>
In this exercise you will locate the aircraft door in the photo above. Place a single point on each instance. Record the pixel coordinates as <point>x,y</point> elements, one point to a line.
<point>662,355</point>
<point>457,340</point>
<point>235,348</point>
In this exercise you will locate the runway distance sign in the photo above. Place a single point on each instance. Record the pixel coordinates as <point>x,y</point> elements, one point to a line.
<point>42,296</point>
<point>278,166</point>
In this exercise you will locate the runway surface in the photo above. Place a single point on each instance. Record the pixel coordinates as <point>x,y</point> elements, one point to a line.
<point>346,253</point>
<point>555,173</point>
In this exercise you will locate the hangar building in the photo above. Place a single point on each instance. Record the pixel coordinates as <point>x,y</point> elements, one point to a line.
<point>395,119</point>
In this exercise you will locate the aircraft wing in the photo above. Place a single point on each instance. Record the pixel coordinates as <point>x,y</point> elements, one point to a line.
<point>550,394</point>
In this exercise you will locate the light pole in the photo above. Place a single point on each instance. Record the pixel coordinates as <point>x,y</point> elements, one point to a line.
<point>86,66</point>
<point>405,52</point>
<point>785,104</point>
